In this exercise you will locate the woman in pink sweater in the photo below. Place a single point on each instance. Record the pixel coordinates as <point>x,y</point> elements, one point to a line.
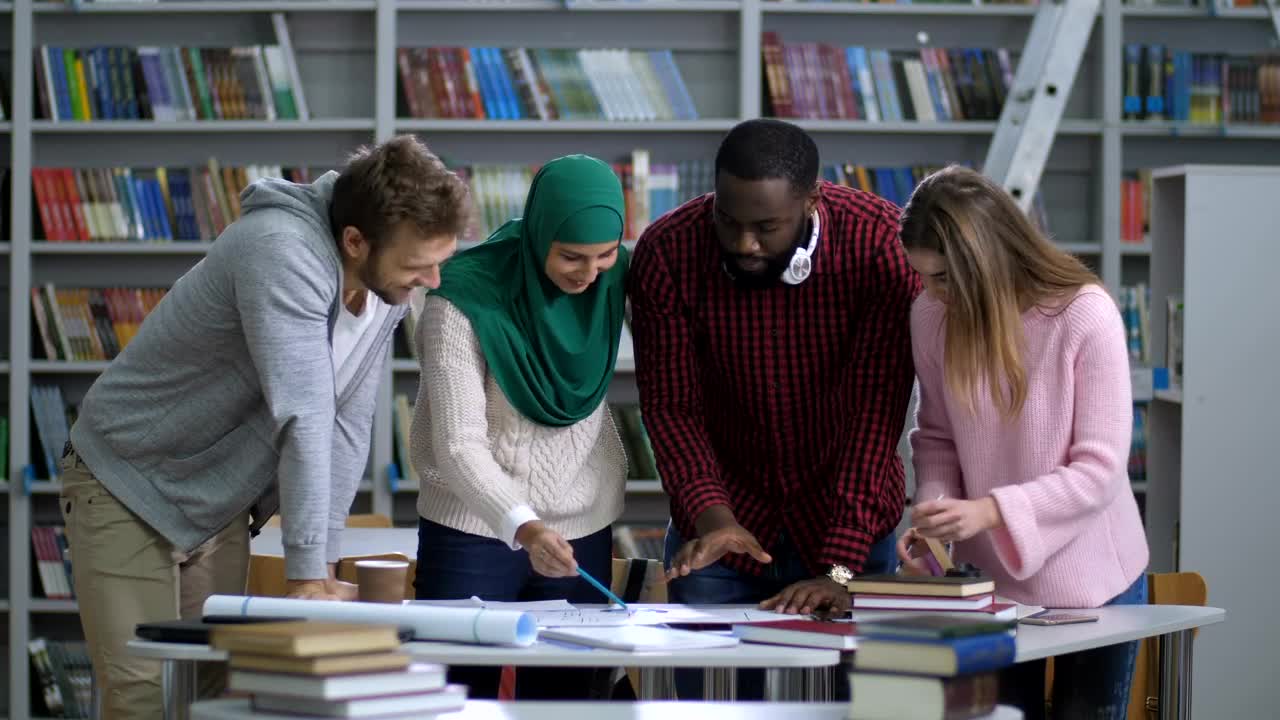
<point>1023,428</point>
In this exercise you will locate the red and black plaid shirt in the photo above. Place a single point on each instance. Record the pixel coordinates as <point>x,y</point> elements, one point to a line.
<point>785,404</point>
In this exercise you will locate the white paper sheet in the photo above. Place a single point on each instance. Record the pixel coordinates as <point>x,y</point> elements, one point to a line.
<point>475,602</point>
<point>652,614</point>
<point>481,626</point>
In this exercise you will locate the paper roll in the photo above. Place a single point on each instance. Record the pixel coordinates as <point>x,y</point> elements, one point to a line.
<point>451,624</point>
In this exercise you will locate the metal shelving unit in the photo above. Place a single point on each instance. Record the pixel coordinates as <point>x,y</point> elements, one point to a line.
<point>349,52</point>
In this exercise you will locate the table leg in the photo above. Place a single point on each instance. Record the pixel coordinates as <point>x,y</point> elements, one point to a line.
<point>656,683</point>
<point>787,684</point>
<point>178,687</point>
<point>720,684</point>
<point>1176,658</point>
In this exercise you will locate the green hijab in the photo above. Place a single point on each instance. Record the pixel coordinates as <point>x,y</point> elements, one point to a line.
<point>552,353</point>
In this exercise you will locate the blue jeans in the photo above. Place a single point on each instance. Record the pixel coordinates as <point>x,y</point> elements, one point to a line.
<point>1088,685</point>
<point>718,584</point>
<point>456,565</point>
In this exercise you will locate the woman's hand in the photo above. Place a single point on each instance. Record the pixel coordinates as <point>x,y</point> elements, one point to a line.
<point>951,520</point>
<point>911,565</point>
<point>550,554</point>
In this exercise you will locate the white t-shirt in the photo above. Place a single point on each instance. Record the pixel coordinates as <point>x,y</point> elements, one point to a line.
<point>347,334</point>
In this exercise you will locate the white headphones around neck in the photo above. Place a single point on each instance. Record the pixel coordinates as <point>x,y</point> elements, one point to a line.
<point>802,261</point>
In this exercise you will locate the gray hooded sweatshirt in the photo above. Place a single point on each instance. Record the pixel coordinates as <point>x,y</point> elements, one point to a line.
<point>226,396</point>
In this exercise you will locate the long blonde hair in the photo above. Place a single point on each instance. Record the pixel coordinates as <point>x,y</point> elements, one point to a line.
<point>998,265</point>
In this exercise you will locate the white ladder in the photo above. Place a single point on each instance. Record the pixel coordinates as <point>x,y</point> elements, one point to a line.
<point>1275,15</point>
<point>1035,103</point>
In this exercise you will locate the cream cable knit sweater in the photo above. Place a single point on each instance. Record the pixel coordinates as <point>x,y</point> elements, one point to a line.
<point>485,468</point>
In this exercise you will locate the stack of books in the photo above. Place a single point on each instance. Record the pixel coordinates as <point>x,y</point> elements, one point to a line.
<point>929,667</point>
<point>324,669</point>
<point>929,593</point>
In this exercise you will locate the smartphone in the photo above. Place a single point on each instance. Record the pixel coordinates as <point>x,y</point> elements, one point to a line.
<point>1044,617</point>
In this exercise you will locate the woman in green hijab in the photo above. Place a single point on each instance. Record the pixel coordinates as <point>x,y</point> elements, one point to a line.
<point>521,466</point>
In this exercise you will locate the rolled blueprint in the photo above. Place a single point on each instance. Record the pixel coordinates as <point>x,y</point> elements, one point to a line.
<point>451,624</point>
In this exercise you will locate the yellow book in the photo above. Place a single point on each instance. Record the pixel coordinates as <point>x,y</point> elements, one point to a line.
<point>304,638</point>
<point>330,665</point>
<point>83,91</point>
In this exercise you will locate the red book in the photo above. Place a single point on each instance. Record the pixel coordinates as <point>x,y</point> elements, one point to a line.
<point>803,633</point>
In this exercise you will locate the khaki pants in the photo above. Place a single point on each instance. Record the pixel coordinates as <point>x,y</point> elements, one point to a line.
<point>125,573</point>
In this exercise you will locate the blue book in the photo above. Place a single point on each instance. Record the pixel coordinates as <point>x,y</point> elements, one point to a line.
<point>1155,81</point>
<point>143,199</point>
<point>1132,106</point>
<point>942,658</point>
<point>56,65</point>
<point>161,210</point>
<point>506,85</point>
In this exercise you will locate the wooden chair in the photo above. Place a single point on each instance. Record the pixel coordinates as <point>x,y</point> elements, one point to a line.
<point>360,520</point>
<point>266,576</point>
<point>266,573</point>
<point>638,580</point>
<point>1184,588</point>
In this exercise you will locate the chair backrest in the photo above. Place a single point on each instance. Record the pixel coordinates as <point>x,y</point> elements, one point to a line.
<point>347,569</point>
<point>363,520</point>
<point>1183,588</point>
<point>266,573</point>
<point>638,580</point>
<point>266,576</point>
<point>369,520</point>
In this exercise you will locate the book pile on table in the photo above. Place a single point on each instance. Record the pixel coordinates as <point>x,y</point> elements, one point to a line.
<point>325,669</point>
<point>929,593</point>
<point>929,667</point>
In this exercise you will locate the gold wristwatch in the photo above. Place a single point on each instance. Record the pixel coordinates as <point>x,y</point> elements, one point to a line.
<point>840,574</point>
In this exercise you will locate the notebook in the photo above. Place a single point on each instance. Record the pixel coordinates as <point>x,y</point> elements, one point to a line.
<point>638,638</point>
<point>801,633</point>
<point>194,632</point>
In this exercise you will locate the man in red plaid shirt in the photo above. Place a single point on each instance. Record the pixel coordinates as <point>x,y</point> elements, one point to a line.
<point>774,367</point>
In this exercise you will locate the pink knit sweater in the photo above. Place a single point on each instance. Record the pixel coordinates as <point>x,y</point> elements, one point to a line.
<point>1072,536</point>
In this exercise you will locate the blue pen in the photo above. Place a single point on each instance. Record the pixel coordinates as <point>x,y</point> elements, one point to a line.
<point>601,588</point>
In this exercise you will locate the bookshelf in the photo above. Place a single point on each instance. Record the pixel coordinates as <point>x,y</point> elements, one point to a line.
<point>1213,477</point>
<point>346,55</point>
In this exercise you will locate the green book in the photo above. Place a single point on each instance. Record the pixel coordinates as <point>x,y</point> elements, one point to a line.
<point>932,627</point>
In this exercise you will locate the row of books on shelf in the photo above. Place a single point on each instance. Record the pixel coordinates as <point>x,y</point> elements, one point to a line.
<point>61,678</point>
<point>821,81</point>
<point>896,184</point>
<point>489,83</point>
<point>53,561</point>
<point>650,190</point>
<point>86,324</point>
<point>1200,88</point>
<point>143,204</point>
<point>163,204</point>
<point>256,82</point>
<point>899,2</point>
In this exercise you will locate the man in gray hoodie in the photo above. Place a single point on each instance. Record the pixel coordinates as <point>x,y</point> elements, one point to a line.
<point>250,388</point>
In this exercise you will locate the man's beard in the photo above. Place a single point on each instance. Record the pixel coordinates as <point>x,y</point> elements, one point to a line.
<point>774,267</point>
<point>375,284</point>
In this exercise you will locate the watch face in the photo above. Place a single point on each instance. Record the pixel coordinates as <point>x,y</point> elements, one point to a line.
<point>841,574</point>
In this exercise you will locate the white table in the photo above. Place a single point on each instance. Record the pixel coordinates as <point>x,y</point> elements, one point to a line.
<point>178,663</point>
<point>784,666</point>
<point>355,541</point>
<point>1122,623</point>
<point>238,709</point>
<point>1115,625</point>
